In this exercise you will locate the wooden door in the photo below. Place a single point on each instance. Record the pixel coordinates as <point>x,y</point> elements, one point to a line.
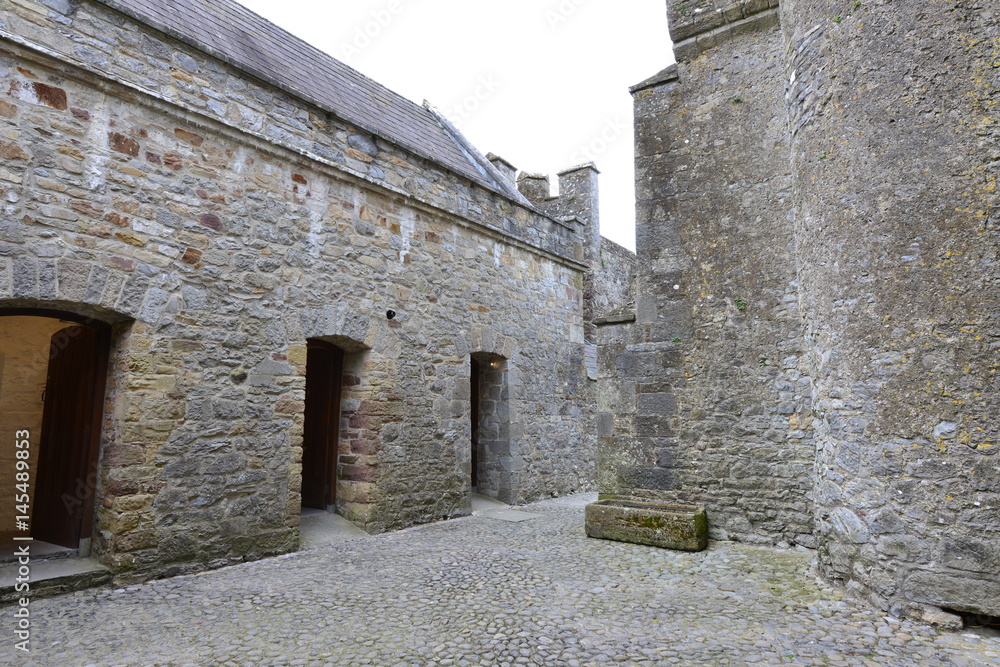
<point>71,433</point>
<point>474,401</point>
<point>324,384</point>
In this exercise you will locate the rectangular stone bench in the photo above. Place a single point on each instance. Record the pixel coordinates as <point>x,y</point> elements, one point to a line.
<point>682,527</point>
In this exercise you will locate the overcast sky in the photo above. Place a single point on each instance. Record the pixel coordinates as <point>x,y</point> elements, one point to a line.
<point>542,83</point>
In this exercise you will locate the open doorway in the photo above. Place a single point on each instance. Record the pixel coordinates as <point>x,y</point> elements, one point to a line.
<point>474,376</point>
<point>321,435</point>
<point>491,474</point>
<point>53,372</point>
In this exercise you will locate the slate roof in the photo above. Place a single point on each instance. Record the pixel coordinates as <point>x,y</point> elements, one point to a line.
<point>236,35</point>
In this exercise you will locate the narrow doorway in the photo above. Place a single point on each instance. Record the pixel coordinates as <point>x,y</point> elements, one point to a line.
<point>474,402</point>
<point>52,387</point>
<point>495,464</point>
<point>321,436</point>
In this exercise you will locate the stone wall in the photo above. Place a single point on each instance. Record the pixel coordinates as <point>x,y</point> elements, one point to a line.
<point>714,360</point>
<point>220,223</point>
<point>614,274</point>
<point>609,280</point>
<point>895,147</point>
<point>813,351</point>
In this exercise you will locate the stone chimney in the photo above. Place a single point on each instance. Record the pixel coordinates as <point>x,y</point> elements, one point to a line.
<point>534,186</point>
<point>578,194</point>
<point>508,170</point>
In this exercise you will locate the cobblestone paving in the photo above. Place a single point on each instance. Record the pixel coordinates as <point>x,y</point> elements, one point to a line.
<point>482,591</point>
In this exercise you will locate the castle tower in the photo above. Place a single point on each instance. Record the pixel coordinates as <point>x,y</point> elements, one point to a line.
<point>813,354</point>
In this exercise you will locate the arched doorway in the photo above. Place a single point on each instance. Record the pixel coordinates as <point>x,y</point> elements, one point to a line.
<point>53,372</point>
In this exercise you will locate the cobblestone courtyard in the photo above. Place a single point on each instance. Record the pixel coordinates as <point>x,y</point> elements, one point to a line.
<point>488,591</point>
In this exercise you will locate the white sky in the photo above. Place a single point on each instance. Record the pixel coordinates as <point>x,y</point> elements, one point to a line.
<point>542,83</point>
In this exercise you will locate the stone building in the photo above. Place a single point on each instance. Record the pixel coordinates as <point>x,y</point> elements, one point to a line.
<point>238,278</point>
<point>814,348</point>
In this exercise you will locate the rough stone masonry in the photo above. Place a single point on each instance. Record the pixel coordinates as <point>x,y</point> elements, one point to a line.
<point>222,195</point>
<point>815,344</point>
<point>812,352</point>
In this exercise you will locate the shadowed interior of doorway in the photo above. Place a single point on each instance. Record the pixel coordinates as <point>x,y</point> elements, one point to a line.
<point>493,468</point>
<point>53,375</point>
<point>52,395</point>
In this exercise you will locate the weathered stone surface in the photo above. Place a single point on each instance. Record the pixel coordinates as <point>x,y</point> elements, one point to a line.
<point>53,577</point>
<point>898,284</point>
<point>696,25</point>
<point>814,234</point>
<point>681,527</point>
<point>222,223</point>
<point>717,410</point>
<point>954,592</point>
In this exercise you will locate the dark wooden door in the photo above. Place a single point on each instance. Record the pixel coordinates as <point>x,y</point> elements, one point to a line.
<point>71,433</point>
<point>324,383</point>
<point>474,401</point>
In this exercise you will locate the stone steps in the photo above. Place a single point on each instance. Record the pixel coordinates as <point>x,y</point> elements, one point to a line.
<point>53,577</point>
<point>39,551</point>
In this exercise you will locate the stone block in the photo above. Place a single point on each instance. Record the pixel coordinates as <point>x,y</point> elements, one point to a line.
<point>657,404</point>
<point>605,424</point>
<point>962,593</point>
<point>648,477</point>
<point>655,426</point>
<point>25,278</point>
<point>973,555</point>
<point>680,527</point>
